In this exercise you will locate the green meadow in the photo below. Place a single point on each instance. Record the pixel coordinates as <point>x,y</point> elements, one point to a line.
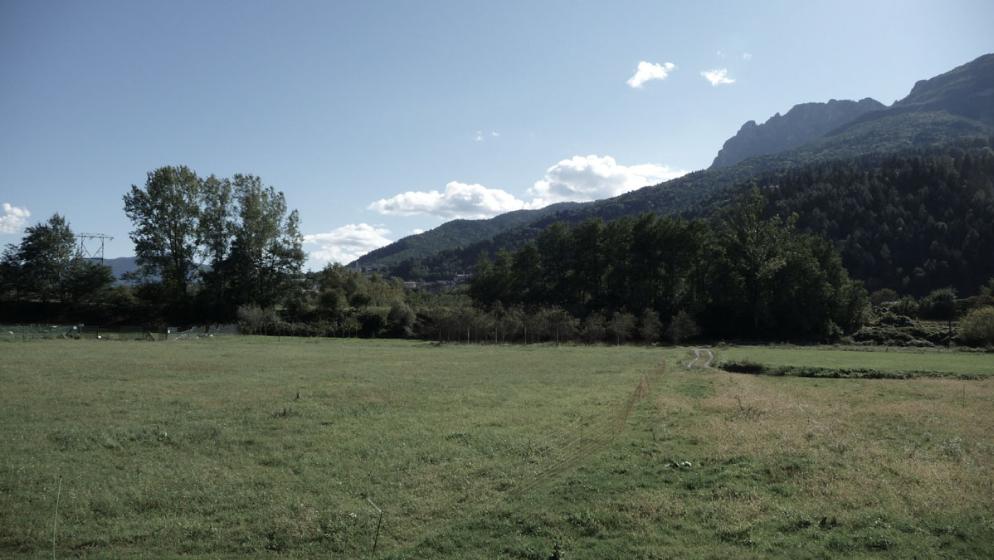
<point>936,362</point>
<point>237,447</point>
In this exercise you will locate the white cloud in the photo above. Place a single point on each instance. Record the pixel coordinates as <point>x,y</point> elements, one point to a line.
<point>459,200</point>
<point>13,218</point>
<point>718,76</point>
<point>577,179</point>
<point>650,71</point>
<point>417,231</point>
<point>345,244</point>
<point>494,133</point>
<point>583,178</point>
<point>478,136</point>
<point>746,56</point>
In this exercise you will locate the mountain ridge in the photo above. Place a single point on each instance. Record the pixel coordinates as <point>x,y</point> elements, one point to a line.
<point>803,123</point>
<point>936,111</point>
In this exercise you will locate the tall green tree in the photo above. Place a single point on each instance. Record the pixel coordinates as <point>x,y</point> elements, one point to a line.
<point>44,266</point>
<point>40,265</point>
<point>165,213</point>
<point>215,228</point>
<point>266,249</point>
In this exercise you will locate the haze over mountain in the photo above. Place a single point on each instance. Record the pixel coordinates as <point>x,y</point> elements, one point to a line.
<point>953,106</point>
<point>967,91</point>
<point>800,125</point>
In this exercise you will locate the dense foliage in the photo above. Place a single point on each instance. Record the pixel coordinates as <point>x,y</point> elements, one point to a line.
<point>233,237</point>
<point>914,222</point>
<point>45,267</point>
<point>737,275</point>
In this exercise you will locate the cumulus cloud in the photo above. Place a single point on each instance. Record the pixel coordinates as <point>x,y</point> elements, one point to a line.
<point>746,56</point>
<point>584,178</point>
<point>459,200</point>
<point>647,71</point>
<point>718,76</point>
<point>13,218</point>
<point>345,244</point>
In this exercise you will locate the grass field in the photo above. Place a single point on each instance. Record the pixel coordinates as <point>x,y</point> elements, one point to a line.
<point>883,359</point>
<point>244,446</point>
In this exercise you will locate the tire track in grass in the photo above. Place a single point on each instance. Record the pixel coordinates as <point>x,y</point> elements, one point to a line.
<point>699,354</point>
<point>599,438</point>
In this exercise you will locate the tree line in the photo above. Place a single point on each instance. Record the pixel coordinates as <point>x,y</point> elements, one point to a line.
<point>737,275</point>
<point>213,250</point>
<point>204,246</point>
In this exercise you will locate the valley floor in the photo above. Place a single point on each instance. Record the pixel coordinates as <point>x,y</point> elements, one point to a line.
<point>249,446</point>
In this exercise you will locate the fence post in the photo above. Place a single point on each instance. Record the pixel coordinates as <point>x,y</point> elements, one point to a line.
<point>379,522</point>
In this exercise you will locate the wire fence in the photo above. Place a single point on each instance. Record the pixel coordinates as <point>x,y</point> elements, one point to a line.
<point>24,333</point>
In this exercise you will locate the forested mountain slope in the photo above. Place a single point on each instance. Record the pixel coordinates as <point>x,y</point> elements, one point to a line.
<point>912,222</point>
<point>951,108</point>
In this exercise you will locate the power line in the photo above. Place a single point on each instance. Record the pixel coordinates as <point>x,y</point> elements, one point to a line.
<point>95,250</point>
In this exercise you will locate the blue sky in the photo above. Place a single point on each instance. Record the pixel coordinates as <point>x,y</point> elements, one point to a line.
<point>378,119</point>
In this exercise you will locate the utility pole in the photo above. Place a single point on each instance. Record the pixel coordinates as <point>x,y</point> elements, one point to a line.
<point>95,250</point>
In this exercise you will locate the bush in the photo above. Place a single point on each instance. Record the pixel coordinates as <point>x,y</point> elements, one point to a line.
<point>253,319</point>
<point>372,322</point>
<point>650,327</point>
<point>400,320</point>
<point>940,305</point>
<point>905,306</point>
<point>883,296</point>
<point>621,326</point>
<point>978,327</point>
<point>682,327</point>
<point>593,328</point>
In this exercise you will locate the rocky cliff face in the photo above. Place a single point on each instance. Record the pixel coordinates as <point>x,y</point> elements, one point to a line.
<point>966,91</point>
<point>802,124</point>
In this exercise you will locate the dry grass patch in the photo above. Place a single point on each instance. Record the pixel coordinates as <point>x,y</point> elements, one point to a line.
<point>874,456</point>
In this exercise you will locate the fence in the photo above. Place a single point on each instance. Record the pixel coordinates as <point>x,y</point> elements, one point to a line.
<point>23,333</point>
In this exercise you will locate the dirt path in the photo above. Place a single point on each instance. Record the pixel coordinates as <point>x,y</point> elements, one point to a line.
<point>701,354</point>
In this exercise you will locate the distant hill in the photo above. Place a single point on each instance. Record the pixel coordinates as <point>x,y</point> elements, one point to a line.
<point>952,107</point>
<point>121,266</point>
<point>802,124</point>
<point>456,233</point>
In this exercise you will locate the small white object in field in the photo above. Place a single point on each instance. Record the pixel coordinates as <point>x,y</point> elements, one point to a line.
<point>11,333</point>
<point>99,337</point>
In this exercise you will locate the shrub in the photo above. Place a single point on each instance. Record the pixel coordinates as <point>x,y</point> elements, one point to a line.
<point>400,320</point>
<point>905,306</point>
<point>682,327</point>
<point>621,326</point>
<point>593,328</point>
<point>940,305</point>
<point>650,327</point>
<point>253,319</point>
<point>978,326</point>
<point>883,296</point>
